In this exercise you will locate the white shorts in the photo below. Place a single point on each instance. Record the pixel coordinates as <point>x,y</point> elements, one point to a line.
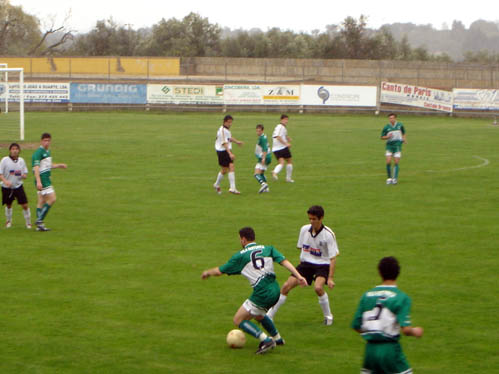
<point>254,309</point>
<point>396,154</point>
<point>46,191</point>
<point>261,166</point>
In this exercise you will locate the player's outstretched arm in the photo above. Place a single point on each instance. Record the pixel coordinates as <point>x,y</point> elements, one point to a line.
<point>288,265</point>
<point>211,272</point>
<point>413,331</point>
<point>59,166</point>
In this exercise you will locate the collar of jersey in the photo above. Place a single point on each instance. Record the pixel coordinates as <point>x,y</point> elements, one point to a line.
<point>249,244</point>
<point>317,233</point>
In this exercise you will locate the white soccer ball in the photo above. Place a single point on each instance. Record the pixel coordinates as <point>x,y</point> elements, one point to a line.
<point>236,339</point>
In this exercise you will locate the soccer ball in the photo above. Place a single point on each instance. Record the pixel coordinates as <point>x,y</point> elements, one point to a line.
<point>236,339</point>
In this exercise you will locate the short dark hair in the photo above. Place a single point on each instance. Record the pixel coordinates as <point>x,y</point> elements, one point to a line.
<point>46,135</point>
<point>316,210</point>
<point>259,126</point>
<point>389,268</point>
<point>14,145</point>
<point>392,114</point>
<point>284,116</point>
<point>248,233</point>
<point>227,118</point>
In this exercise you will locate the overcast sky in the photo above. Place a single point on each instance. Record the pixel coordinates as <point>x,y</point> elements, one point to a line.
<point>264,14</point>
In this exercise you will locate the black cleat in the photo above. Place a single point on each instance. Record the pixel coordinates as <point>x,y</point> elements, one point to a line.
<point>280,341</point>
<point>41,227</point>
<point>265,346</point>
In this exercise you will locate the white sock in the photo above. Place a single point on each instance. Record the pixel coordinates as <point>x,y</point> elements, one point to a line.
<point>289,171</point>
<point>27,216</point>
<point>8,214</point>
<point>277,169</point>
<point>272,311</point>
<point>232,180</point>
<point>324,303</point>
<point>220,176</point>
<point>262,336</point>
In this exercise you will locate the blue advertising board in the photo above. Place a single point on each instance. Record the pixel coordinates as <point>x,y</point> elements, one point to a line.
<point>108,93</point>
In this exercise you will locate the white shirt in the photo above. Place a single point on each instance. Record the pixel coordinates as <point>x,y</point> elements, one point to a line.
<point>223,136</point>
<point>318,249</point>
<point>12,170</point>
<point>282,131</point>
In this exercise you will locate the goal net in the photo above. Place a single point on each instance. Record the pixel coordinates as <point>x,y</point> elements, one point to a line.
<point>11,103</point>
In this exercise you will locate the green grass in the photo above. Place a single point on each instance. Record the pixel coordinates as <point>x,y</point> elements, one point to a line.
<point>115,286</point>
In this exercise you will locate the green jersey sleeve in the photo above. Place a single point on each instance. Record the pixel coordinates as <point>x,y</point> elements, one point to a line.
<point>404,312</point>
<point>276,255</point>
<point>36,158</point>
<point>263,143</point>
<point>402,128</point>
<point>234,266</point>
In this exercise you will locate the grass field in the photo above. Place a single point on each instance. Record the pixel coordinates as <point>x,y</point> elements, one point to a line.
<point>115,286</point>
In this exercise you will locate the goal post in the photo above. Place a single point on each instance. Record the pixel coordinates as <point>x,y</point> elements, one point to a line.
<point>12,99</point>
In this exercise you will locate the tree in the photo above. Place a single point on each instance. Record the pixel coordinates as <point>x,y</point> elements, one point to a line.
<point>352,33</point>
<point>19,32</point>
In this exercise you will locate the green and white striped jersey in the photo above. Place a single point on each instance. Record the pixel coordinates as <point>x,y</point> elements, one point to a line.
<point>381,313</point>
<point>256,263</point>
<point>397,132</point>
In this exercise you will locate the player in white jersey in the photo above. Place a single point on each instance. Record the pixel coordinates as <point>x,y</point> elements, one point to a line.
<point>280,147</point>
<point>223,146</point>
<point>317,262</point>
<point>13,171</point>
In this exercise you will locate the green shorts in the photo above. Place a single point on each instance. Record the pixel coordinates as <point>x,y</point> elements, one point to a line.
<point>385,357</point>
<point>45,179</point>
<point>393,149</point>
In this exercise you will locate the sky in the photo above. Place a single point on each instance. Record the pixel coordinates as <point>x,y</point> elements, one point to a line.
<point>292,15</point>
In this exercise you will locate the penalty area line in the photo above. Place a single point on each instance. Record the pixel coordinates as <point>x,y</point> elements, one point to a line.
<point>485,162</point>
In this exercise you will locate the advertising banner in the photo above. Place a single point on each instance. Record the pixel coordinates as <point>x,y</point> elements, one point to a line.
<point>184,94</point>
<point>280,95</point>
<point>421,97</point>
<point>474,99</point>
<point>241,94</point>
<point>37,92</point>
<point>109,93</point>
<point>339,95</point>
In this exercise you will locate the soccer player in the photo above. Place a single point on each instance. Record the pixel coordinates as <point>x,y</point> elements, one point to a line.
<point>42,165</point>
<point>317,262</point>
<point>223,146</point>
<point>12,172</point>
<point>280,148</point>
<point>256,263</point>
<point>382,313</point>
<point>264,158</point>
<point>394,134</point>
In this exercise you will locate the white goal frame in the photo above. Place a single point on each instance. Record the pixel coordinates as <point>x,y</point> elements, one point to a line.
<point>6,71</point>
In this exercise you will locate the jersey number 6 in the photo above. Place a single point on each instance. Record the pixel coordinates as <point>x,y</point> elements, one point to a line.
<point>258,262</point>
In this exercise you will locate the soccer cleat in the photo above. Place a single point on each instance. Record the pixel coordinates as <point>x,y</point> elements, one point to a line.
<point>289,180</point>
<point>274,175</point>
<point>8,224</point>
<point>328,321</point>
<point>263,187</point>
<point>266,190</point>
<point>28,226</point>
<point>41,227</point>
<point>389,181</point>
<point>235,192</point>
<point>217,189</point>
<point>394,181</point>
<point>280,341</point>
<point>265,346</point>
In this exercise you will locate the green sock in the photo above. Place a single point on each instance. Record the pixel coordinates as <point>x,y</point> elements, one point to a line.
<point>43,213</point>
<point>396,171</point>
<point>259,178</point>
<point>38,211</point>
<point>269,326</point>
<point>389,170</point>
<point>250,328</point>
<point>264,178</point>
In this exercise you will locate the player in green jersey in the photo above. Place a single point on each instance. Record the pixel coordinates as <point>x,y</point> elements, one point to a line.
<point>394,134</point>
<point>42,165</point>
<point>256,263</point>
<point>382,313</point>
<point>264,158</point>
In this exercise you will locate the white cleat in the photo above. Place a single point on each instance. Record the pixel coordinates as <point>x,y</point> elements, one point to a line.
<point>274,175</point>
<point>218,190</point>
<point>235,192</point>
<point>328,321</point>
<point>389,181</point>
<point>263,187</point>
<point>394,181</point>
<point>8,224</point>
<point>28,226</point>
<point>289,180</point>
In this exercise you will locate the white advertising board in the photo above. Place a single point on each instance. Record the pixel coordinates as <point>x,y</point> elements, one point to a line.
<point>281,95</point>
<point>38,92</point>
<point>184,94</point>
<point>474,99</point>
<point>421,97</point>
<point>241,94</point>
<point>339,95</point>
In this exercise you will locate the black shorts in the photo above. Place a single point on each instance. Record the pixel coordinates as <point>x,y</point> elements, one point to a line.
<point>283,153</point>
<point>311,271</point>
<point>9,194</point>
<point>224,158</point>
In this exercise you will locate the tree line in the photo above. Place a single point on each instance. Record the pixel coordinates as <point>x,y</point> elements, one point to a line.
<point>194,36</point>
